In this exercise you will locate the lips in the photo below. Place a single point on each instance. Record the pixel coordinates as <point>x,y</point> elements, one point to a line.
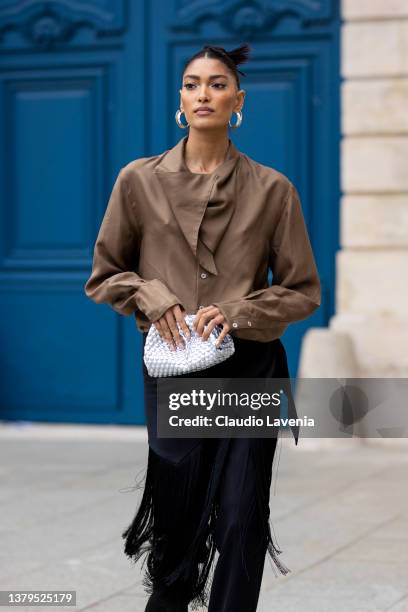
<point>204,109</point>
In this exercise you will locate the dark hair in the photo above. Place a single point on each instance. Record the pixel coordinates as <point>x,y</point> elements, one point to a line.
<point>230,58</point>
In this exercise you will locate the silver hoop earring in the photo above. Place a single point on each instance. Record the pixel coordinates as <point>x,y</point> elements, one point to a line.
<point>238,122</point>
<point>178,121</point>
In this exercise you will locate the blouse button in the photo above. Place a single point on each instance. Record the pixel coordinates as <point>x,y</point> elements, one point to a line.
<point>203,275</point>
<point>235,324</point>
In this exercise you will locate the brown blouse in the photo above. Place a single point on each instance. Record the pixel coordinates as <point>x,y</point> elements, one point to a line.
<point>170,236</point>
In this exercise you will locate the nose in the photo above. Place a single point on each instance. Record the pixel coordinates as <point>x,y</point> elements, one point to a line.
<point>203,93</point>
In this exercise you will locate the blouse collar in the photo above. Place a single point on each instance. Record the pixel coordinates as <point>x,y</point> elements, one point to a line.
<point>203,204</point>
<point>173,160</point>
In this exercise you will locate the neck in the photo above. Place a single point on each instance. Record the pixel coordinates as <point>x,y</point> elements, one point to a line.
<point>205,151</point>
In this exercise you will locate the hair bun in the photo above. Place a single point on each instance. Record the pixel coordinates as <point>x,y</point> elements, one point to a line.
<point>237,56</point>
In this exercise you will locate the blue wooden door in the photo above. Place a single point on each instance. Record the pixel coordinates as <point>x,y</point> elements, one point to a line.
<point>85,88</point>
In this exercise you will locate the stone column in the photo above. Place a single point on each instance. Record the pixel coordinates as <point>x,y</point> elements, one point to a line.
<point>368,335</point>
<point>372,264</point>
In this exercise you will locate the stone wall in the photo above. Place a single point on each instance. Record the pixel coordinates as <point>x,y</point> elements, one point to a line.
<point>369,332</point>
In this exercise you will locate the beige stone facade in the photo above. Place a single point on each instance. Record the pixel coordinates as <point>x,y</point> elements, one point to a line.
<point>369,332</point>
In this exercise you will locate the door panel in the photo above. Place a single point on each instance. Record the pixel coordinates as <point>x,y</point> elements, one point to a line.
<point>84,89</point>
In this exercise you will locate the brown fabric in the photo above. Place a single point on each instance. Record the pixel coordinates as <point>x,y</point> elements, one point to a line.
<point>170,236</point>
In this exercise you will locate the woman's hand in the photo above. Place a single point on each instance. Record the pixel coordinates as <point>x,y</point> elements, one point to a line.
<point>167,326</point>
<point>209,317</point>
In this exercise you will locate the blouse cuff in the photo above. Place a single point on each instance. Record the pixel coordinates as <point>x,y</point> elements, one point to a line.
<point>154,298</point>
<point>237,314</point>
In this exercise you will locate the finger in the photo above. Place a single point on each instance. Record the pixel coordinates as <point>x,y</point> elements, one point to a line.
<point>211,325</point>
<point>204,318</point>
<point>199,312</point>
<point>159,329</point>
<point>174,330</point>
<point>167,335</point>
<point>225,330</point>
<point>179,314</point>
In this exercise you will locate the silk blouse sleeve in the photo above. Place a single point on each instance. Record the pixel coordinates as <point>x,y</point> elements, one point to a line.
<point>113,278</point>
<point>295,291</point>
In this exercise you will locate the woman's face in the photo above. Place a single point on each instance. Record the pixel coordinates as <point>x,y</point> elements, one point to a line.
<point>208,82</point>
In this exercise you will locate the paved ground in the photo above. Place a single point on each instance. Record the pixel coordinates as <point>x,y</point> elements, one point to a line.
<point>340,514</point>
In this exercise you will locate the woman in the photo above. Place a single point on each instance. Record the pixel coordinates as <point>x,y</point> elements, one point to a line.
<point>195,230</point>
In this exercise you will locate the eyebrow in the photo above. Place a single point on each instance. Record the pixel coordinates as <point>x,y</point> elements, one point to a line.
<point>213,76</point>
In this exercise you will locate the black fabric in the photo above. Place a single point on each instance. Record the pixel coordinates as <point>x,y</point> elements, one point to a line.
<point>207,495</point>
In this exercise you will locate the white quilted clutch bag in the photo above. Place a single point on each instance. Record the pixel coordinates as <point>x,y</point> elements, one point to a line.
<point>196,355</point>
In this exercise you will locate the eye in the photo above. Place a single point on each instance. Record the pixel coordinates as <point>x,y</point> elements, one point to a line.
<point>216,85</point>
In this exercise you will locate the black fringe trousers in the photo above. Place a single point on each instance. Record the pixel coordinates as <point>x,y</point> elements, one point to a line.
<point>205,495</point>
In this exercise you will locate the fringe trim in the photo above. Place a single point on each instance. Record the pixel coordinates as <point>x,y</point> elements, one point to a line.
<point>180,550</point>
<point>262,495</point>
<point>202,548</point>
<point>140,530</point>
